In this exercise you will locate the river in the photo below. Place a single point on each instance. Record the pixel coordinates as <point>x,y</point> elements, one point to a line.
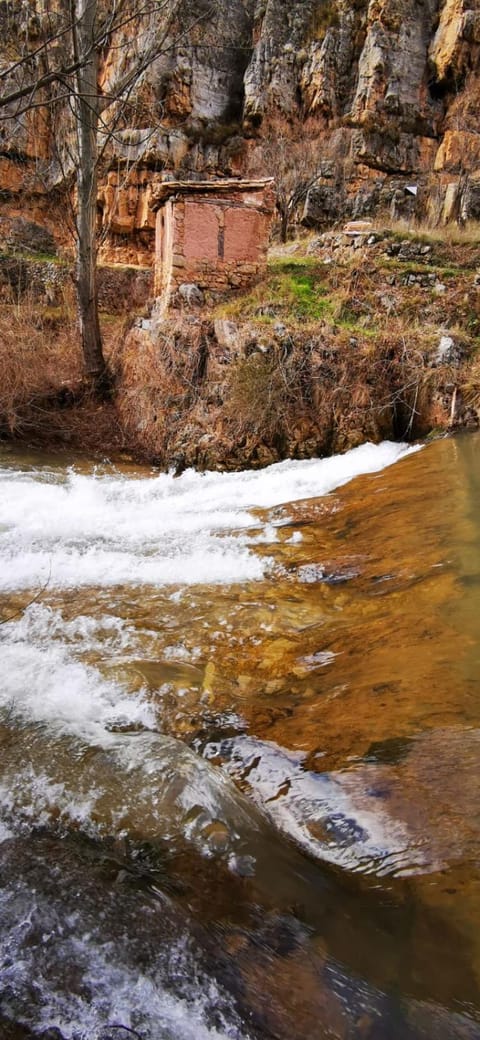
<point>240,732</point>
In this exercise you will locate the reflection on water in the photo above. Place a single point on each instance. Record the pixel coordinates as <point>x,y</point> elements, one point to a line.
<point>240,731</point>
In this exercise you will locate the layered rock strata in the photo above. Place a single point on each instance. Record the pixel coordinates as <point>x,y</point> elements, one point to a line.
<point>378,96</point>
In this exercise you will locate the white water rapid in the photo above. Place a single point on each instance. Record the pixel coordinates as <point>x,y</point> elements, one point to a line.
<point>105,529</point>
<point>84,751</point>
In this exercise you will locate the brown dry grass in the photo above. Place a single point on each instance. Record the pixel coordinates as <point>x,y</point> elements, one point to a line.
<point>357,363</point>
<point>452,234</point>
<point>311,395</point>
<point>470,385</point>
<point>38,357</point>
<point>42,395</point>
<point>158,383</point>
<point>261,392</point>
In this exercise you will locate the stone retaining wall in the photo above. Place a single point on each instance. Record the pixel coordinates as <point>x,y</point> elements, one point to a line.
<point>50,282</point>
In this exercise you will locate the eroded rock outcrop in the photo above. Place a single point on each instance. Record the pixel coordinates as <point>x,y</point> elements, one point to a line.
<point>384,91</point>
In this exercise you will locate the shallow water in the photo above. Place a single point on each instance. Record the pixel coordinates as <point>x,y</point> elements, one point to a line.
<point>239,789</point>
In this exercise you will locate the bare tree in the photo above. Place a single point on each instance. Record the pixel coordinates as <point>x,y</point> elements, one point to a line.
<point>294,162</point>
<point>59,64</point>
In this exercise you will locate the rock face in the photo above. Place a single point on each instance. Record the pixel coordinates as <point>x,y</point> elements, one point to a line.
<point>383,92</point>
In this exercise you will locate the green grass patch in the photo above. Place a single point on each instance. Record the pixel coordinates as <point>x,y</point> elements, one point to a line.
<point>293,291</point>
<point>352,323</point>
<point>291,263</point>
<point>406,267</point>
<point>33,258</point>
<point>297,292</point>
<point>301,292</point>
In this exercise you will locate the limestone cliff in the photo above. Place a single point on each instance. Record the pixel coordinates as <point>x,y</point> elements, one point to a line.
<point>382,92</point>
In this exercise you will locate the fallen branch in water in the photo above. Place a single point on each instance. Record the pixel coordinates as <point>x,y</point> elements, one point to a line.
<point>127,1029</point>
<point>21,610</point>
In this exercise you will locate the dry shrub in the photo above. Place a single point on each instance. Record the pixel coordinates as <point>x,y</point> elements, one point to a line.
<point>307,396</point>
<point>39,357</point>
<point>469,387</point>
<point>158,381</point>
<point>280,399</point>
<point>467,233</point>
<point>258,396</point>
<point>421,388</point>
<point>358,382</point>
<point>312,401</point>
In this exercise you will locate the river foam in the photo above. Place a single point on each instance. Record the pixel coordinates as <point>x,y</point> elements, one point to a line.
<point>167,996</point>
<point>107,529</point>
<point>88,758</point>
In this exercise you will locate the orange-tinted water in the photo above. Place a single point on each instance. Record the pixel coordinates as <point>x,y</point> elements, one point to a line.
<point>300,806</point>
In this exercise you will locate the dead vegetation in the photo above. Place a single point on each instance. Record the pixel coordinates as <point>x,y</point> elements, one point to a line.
<point>446,235</point>
<point>42,394</point>
<point>39,360</point>
<point>186,401</point>
<point>158,380</point>
<point>319,357</point>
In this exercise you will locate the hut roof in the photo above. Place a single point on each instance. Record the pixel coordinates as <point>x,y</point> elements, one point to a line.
<point>170,189</point>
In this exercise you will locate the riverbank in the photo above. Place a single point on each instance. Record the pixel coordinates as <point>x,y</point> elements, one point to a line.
<point>348,339</point>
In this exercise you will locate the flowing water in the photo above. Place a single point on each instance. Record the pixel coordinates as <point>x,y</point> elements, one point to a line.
<point>239,733</point>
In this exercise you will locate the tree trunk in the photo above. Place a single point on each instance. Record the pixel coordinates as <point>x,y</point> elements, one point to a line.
<point>87,108</point>
<point>284,215</point>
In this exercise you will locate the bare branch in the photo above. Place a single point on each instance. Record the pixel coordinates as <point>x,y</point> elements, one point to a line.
<point>62,74</point>
<point>21,610</point>
<point>126,1029</point>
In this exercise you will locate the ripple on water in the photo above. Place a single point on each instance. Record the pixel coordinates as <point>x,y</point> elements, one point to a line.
<point>334,708</point>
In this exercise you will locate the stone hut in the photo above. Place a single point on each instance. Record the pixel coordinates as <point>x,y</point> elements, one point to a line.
<point>213,234</point>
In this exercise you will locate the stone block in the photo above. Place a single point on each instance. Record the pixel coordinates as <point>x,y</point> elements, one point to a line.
<point>191,294</point>
<point>226,333</point>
